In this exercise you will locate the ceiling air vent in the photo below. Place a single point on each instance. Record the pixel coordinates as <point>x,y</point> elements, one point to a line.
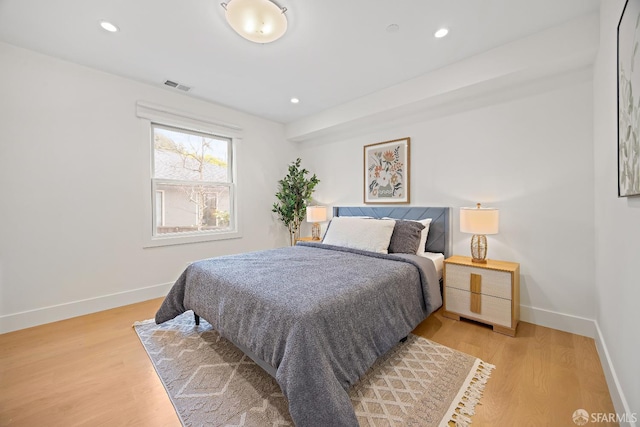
<point>177,86</point>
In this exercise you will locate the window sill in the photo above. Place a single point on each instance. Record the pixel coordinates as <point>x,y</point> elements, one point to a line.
<point>186,238</point>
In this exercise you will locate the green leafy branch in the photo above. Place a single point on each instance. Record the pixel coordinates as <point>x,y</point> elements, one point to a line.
<point>295,191</point>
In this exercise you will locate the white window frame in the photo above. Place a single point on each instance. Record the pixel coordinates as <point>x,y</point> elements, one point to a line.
<point>163,116</point>
<point>155,219</point>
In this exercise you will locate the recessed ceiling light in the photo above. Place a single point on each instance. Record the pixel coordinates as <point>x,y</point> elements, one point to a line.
<point>108,26</point>
<point>393,28</point>
<point>441,33</point>
<point>294,100</point>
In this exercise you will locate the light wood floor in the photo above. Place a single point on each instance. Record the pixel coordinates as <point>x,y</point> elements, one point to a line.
<point>93,371</point>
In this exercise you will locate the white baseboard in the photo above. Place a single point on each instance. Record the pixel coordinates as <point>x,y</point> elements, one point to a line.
<point>589,328</point>
<point>563,322</point>
<point>53,313</point>
<point>617,396</point>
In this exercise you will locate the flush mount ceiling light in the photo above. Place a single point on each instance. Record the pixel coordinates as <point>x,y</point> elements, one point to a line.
<point>295,100</point>
<point>260,21</point>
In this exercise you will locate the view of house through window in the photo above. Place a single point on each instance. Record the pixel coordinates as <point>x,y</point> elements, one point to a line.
<point>192,182</point>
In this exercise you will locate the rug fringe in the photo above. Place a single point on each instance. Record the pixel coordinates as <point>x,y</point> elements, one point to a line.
<point>459,414</point>
<point>143,322</point>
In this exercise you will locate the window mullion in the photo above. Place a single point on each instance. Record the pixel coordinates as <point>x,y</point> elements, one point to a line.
<point>194,183</point>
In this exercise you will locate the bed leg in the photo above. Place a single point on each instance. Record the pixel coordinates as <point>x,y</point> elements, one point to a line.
<point>403,339</point>
<point>197,319</point>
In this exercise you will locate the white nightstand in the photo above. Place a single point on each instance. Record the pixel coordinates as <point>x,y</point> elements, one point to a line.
<point>488,293</point>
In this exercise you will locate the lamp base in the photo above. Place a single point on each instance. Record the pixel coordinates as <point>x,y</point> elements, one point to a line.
<point>315,231</point>
<point>479,248</point>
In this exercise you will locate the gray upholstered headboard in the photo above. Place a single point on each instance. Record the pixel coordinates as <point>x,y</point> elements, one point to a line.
<point>439,237</point>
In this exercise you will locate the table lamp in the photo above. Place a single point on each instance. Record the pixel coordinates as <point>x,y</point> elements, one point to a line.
<point>479,221</point>
<point>316,214</point>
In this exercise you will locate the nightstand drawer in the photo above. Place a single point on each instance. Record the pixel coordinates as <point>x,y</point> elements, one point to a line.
<point>492,309</point>
<point>491,282</point>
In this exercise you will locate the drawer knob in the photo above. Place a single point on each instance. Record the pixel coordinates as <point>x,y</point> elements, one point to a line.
<point>476,303</point>
<point>476,298</point>
<point>476,283</point>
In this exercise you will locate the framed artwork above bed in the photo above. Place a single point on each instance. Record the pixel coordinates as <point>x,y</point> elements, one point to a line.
<point>628,100</point>
<point>386,172</point>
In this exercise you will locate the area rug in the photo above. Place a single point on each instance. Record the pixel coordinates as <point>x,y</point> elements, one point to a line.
<point>212,383</point>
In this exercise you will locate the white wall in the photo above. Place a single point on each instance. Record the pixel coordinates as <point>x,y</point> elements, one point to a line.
<point>73,171</point>
<point>617,228</point>
<point>530,157</point>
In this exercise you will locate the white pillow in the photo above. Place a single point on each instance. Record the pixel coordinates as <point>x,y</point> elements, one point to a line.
<point>423,234</point>
<point>360,233</point>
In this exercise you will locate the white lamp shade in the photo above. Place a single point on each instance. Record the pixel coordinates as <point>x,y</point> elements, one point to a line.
<point>316,213</point>
<point>479,220</point>
<point>260,21</point>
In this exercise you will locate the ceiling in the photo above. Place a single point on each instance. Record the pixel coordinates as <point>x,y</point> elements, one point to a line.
<point>333,52</point>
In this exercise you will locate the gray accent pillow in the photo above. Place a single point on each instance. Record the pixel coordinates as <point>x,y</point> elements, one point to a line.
<point>406,237</point>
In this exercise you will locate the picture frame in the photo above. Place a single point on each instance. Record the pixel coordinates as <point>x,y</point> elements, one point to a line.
<point>387,172</point>
<point>628,73</point>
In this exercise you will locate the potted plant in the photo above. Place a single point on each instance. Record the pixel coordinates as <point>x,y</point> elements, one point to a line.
<point>295,191</point>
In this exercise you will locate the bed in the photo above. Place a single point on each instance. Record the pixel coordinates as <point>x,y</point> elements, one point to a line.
<point>317,315</point>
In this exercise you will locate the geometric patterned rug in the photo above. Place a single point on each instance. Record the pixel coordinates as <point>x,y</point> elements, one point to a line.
<point>212,383</point>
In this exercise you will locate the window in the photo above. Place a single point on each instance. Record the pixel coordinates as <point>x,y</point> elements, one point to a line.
<point>189,187</point>
<point>192,183</point>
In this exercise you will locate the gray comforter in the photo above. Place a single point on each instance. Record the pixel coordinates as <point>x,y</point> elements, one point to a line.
<point>320,315</point>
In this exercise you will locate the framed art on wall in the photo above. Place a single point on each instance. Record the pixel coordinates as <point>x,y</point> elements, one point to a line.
<point>628,100</point>
<point>386,172</point>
